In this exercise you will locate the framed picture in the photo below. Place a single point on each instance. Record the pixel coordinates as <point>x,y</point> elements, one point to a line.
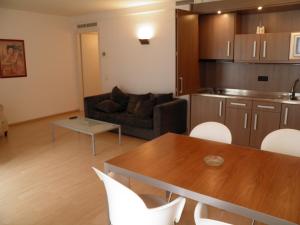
<point>295,46</point>
<point>12,58</point>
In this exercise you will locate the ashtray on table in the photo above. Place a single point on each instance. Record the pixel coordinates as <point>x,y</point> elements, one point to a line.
<point>213,160</point>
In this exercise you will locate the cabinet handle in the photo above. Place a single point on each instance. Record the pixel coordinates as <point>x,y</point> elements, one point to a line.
<point>265,107</point>
<point>220,108</point>
<point>245,120</point>
<point>228,48</point>
<point>286,114</point>
<point>265,49</point>
<point>254,49</point>
<point>238,104</point>
<point>255,121</point>
<point>181,85</point>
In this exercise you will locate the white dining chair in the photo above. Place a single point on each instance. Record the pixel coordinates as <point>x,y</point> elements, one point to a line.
<point>201,212</point>
<point>127,208</point>
<point>212,131</point>
<point>284,141</point>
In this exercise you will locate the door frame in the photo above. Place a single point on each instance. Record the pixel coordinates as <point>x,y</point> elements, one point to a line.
<point>79,32</point>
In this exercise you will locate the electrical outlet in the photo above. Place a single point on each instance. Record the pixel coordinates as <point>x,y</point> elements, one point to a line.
<point>263,78</point>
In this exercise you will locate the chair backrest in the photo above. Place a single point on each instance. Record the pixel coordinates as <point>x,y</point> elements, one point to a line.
<point>285,141</point>
<point>212,131</point>
<point>201,212</point>
<point>127,208</point>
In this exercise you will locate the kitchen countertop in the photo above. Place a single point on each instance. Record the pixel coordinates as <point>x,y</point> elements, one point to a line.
<point>278,97</point>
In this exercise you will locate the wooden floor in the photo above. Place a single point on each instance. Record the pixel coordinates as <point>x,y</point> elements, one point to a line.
<point>45,183</point>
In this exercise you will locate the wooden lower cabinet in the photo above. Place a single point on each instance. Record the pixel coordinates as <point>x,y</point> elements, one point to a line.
<point>265,119</point>
<point>290,116</point>
<point>248,121</point>
<point>238,120</point>
<point>206,108</point>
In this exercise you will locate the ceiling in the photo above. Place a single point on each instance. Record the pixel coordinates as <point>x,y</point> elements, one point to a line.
<point>73,7</point>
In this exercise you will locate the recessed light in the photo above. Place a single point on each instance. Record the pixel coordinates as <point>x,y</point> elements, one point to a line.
<point>259,7</point>
<point>219,11</point>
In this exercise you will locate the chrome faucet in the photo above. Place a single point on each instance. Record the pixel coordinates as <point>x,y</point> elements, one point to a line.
<point>293,90</point>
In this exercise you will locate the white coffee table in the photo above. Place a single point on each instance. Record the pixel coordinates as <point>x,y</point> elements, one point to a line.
<point>86,126</point>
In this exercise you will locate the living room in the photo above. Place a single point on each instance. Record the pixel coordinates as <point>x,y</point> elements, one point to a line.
<point>46,174</point>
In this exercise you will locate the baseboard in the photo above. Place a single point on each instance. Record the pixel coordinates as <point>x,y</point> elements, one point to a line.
<point>44,117</point>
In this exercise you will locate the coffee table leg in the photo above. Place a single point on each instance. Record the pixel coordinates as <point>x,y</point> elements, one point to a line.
<point>120,134</point>
<point>93,144</point>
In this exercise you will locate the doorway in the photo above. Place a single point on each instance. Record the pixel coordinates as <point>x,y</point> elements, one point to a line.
<point>90,64</point>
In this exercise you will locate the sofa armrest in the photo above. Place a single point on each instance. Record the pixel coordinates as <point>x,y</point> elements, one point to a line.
<point>170,117</point>
<point>91,101</point>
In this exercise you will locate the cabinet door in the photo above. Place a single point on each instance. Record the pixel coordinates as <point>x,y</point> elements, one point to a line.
<point>238,120</point>
<point>265,119</point>
<point>205,109</point>
<point>247,48</point>
<point>187,55</point>
<point>290,116</point>
<point>216,35</point>
<point>275,47</point>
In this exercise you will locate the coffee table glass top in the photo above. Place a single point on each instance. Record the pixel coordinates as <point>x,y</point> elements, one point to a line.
<point>86,125</point>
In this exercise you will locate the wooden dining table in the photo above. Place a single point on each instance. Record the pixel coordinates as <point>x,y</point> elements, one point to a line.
<point>261,185</point>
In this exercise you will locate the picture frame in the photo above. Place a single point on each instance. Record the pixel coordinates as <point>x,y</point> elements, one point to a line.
<point>295,46</point>
<point>12,58</point>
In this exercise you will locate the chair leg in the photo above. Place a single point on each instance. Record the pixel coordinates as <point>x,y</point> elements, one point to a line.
<point>168,196</point>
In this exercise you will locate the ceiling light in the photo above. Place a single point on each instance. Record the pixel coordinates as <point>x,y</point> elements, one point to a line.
<point>259,8</point>
<point>219,12</point>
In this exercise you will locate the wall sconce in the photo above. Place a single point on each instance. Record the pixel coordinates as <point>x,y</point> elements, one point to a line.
<point>144,34</point>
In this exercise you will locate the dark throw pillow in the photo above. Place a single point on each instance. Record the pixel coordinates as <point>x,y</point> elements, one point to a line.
<point>119,97</point>
<point>108,106</point>
<point>134,100</point>
<point>145,108</point>
<point>162,98</point>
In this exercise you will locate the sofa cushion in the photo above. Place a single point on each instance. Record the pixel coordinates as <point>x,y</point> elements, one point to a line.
<point>162,98</point>
<point>134,101</point>
<point>108,106</point>
<point>134,121</point>
<point>119,97</point>
<point>145,108</point>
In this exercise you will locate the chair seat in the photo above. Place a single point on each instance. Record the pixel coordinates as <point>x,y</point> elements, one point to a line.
<point>211,222</point>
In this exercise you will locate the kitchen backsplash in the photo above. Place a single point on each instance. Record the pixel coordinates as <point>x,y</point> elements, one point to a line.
<point>245,76</point>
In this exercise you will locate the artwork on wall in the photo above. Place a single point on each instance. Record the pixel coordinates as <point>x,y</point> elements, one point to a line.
<point>12,58</point>
<point>295,46</point>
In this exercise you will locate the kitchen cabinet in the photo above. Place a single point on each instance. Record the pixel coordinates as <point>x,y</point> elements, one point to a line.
<point>263,48</point>
<point>290,116</point>
<point>206,108</point>
<point>265,119</point>
<point>275,47</point>
<point>187,54</point>
<point>216,37</point>
<point>247,48</point>
<point>238,120</point>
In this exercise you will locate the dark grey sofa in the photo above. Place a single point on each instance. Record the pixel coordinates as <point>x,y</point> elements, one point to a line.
<point>167,117</point>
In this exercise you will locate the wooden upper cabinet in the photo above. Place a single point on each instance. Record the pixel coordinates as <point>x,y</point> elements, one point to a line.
<point>290,116</point>
<point>275,47</point>
<point>247,48</point>
<point>217,36</point>
<point>205,109</point>
<point>187,54</point>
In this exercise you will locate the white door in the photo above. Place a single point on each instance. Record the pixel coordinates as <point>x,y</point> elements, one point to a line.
<point>90,64</point>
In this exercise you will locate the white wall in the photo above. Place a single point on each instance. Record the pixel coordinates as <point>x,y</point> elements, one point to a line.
<point>134,67</point>
<point>51,85</point>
